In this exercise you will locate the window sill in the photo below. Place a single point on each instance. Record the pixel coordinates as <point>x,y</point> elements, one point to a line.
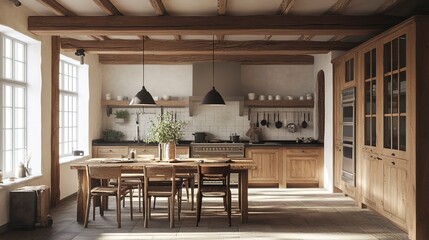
<point>18,181</point>
<point>70,159</point>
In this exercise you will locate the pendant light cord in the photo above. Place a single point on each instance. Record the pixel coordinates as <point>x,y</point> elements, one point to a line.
<point>213,61</point>
<point>143,59</point>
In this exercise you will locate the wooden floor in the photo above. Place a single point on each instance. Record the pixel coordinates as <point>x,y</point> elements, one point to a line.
<point>273,214</point>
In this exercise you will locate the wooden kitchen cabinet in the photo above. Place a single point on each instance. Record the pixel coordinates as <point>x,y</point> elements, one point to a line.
<point>145,151</point>
<point>395,181</point>
<point>372,180</point>
<point>338,154</point>
<point>267,172</point>
<point>109,151</point>
<point>304,167</point>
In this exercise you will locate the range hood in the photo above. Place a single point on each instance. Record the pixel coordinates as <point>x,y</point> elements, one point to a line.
<point>227,79</point>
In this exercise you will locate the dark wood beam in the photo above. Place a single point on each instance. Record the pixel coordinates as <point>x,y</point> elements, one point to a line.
<point>108,7</point>
<point>55,120</point>
<point>160,10</point>
<point>189,59</point>
<point>285,7</point>
<point>208,25</point>
<point>338,7</point>
<point>221,7</point>
<point>167,47</point>
<point>57,8</point>
<point>386,6</point>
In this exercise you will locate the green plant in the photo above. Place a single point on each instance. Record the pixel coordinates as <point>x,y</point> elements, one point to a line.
<point>122,113</point>
<point>111,135</point>
<point>165,129</point>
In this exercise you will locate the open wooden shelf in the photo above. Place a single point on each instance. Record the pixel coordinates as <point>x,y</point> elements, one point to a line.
<point>181,103</point>
<point>279,103</point>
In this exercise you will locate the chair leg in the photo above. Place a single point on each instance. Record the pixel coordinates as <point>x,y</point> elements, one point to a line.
<point>179,206</point>
<point>88,205</point>
<point>229,207</point>
<point>198,212</point>
<point>171,208</point>
<point>131,203</point>
<point>93,209</point>
<point>225,205</point>
<point>118,210</point>
<point>146,211</point>
<point>192,182</point>
<point>139,189</point>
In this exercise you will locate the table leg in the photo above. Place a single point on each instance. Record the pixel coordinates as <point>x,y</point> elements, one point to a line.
<point>239,191</point>
<point>244,195</point>
<point>82,195</point>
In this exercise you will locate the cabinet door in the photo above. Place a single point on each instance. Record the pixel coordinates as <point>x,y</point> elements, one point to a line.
<point>395,179</point>
<point>349,71</point>
<point>338,164</point>
<point>111,151</point>
<point>182,152</point>
<point>338,86</point>
<point>303,166</point>
<point>395,89</point>
<point>267,165</point>
<point>371,181</point>
<point>370,98</point>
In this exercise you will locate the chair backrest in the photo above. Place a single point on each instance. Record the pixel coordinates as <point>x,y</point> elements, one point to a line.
<point>95,174</point>
<point>214,172</point>
<point>154,173</point>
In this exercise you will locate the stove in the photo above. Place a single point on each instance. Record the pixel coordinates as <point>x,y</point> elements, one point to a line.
<point>225,149</point>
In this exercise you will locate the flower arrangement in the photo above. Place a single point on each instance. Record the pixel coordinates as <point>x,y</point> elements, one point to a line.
<point>165,129</point>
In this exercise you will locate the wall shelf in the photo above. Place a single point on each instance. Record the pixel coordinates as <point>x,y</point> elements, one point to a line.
<point>279,103</point>
<point>174,103</point>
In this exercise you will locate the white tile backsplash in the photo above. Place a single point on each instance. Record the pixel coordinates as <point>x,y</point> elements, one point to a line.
<point>218,121</point>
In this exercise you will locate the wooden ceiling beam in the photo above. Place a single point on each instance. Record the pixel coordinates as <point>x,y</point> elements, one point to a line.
<point>208,25</point>
<point>57,8</point>
<point>386,6</point>
<point>338,7</point>
<point>166,47</point>
<point>160,10</point>
<point>108,7</point>
<point>189,59</point>
<point>284,9</point>
<point>221,11</point>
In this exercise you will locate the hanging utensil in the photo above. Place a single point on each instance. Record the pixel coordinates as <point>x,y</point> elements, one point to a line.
<point>298,120</point>
<point>264,122</point>
<point>268,120</point>
<point>304,123</point>
<point>257,119</point>
<point>279,124</point>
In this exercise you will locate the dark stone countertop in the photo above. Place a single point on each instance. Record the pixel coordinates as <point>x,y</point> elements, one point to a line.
<point>101,142</point>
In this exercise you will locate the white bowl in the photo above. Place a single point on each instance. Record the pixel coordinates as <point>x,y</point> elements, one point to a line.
<point>289,98</point>
<point>166,97</point>
<point>251,96</point>
<point>309,97</point>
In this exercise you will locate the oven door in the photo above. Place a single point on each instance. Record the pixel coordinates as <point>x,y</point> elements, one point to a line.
<point>348,132</point>
<point>349,166</point>
<point>348,112</point>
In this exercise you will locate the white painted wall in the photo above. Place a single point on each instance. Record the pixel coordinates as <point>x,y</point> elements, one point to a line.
<point>323,62</point>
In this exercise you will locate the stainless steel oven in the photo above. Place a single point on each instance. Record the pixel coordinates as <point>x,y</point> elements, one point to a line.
<point>348,124</point>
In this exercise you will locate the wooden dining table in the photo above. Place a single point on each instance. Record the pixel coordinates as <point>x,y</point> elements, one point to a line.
<point>239,165</point>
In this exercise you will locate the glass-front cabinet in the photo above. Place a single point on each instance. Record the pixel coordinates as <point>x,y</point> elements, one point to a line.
<point>370,98</point>
<point>394,96</point>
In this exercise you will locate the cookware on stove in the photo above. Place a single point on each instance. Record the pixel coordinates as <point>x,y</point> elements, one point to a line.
<point>199,137</point>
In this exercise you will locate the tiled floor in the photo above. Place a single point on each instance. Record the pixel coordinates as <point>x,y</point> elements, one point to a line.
<point>274,214</point>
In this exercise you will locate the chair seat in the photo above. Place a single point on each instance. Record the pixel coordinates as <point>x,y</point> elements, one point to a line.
<point>213,188</point>
<point>104,190</point>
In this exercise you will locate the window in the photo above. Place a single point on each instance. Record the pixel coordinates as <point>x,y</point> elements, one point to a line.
<point>13,121</point>
<point>68,108</point>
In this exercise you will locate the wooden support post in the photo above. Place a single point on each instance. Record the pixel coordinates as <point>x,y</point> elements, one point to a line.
<point>55,102</point>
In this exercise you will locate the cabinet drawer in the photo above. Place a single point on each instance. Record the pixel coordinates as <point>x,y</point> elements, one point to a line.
<point>109,151</point>
<point>182,152</point>
<point>302,151</point>
<point>146,151</point>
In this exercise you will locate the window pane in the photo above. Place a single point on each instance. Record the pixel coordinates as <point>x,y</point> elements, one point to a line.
<point>7,99</point>
<point>19,97</point>
<point>19,71</point>
<point>19,118</point>
<point>7,139</point>
<point>7,118</point>
<point>19,139</point>
<point>7,68</point>
<point>7,48</point>
<point>19,52</point>
<point>8,157</point>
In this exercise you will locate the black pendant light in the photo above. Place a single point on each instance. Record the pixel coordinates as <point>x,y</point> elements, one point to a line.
<point>143,97</point>
<point>213,97</point>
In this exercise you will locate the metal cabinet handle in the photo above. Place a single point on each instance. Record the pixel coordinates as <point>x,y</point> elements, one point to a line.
<point>110,150</point>
<point>393,163</point>
<point>393,154</point>
<point>379,158</point>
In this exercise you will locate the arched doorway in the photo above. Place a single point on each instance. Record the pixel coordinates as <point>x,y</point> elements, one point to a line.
<point>321,105</point>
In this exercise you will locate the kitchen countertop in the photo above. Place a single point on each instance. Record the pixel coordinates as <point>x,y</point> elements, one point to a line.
<point>287,143</point>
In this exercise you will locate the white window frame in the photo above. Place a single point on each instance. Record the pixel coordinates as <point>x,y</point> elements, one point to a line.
<point>66,124</point>
<point>13,83</point>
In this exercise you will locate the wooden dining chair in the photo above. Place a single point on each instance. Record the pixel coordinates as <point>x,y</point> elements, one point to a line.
<point>105,173</point>
<point>131,181</point>
<point>188,180</point>
<point>160,181</point>
<point>214,181</point>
